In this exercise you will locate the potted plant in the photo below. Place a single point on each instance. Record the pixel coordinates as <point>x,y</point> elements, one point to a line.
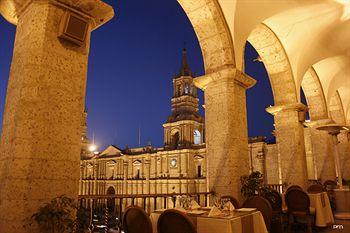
<point>62,215</point>
<point>253,185</point>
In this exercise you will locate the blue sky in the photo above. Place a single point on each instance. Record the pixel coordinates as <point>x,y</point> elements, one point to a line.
<point>131,64</point>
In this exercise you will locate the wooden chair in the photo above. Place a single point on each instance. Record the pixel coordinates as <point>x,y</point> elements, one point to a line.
<point>263,206</point>
<point>294,187</point>
<point>298,203</point>
<point>233,200</point>
<point>329,186</point>
<point>276,203</point>
<point>136,220</point>
<point>315,188</point>
<point>174,221</point>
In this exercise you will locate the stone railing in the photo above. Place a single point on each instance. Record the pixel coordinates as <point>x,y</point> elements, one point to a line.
<point>106,211</point>
<point>278,187</point>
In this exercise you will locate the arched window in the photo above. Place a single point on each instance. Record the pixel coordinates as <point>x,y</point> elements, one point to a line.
<point>175,140</point>
<point>186,88</point>
<point>197,137</point>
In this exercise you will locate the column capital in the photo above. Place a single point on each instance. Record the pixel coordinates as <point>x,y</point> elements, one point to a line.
<point>319,122</point>
<point>97,11</point>
<point>334,129</point>
<point>298,107</point>
<point>225,74</point>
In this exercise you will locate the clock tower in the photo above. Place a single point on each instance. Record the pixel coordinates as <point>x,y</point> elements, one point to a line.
<point>184,128</point>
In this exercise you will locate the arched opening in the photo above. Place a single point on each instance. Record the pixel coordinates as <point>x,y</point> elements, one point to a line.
<point>260,122</point>
<point>197,137</point>
<point>111,202</point>
<point>175,139</point>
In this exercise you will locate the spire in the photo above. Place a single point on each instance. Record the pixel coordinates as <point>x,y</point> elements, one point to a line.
<point>185,68</point>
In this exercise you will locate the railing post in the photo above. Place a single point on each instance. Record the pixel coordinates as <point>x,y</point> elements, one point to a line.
<point>155,203</point>
<point>144,204</point>
<point>120,209</point>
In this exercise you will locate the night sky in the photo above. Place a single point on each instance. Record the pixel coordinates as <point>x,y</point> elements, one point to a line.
<point>132,61</point>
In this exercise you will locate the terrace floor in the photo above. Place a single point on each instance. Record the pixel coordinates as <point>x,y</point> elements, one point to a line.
<point>340,226</point>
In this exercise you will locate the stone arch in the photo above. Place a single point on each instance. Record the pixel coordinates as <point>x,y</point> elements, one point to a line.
<point>336,110</point>
<point>276,62</point>
<point>314,94</point>
<point>212,32</point>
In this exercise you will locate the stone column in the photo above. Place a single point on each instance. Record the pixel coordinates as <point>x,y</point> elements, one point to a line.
<point>289,133</point>
<point>125,167</point>
<point>148,174</point>
<point>41,134</point>
<point>95,171</point>
<point>344,151</point>
<point>262,164</point>
<point>226,129</point>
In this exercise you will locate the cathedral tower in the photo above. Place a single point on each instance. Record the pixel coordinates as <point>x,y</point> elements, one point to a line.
<point>185,126</point>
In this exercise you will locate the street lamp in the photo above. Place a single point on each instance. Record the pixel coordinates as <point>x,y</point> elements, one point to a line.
<point>334,130</point>
<point>92,148</point>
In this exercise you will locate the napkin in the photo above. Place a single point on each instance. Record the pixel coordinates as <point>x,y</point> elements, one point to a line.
<point>214,212</point>
<point>228,206</point>
<point>170,203</point>
<point>194,205</point>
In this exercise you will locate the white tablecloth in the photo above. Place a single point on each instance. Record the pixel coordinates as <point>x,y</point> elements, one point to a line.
<point>249,223</point>
<point>320,202</point>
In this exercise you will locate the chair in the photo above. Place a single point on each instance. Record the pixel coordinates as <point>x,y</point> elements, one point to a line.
<point>298,203</point>
<point>330,184</point>
<point>263,206</point>
<point>174,221</point>
<point>233,200</point>
<point>294,187</point>
<point>136,220</point>
<point>276,203</point>
<point>315,188</point>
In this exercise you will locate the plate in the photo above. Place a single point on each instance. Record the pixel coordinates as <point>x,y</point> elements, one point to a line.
<point>197,212</point>
<point>246,209</point>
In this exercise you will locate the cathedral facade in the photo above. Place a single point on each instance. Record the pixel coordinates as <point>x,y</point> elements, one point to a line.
<point>177,167</point>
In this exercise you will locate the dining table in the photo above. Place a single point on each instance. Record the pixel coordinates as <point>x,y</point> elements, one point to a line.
<point>230,222</point>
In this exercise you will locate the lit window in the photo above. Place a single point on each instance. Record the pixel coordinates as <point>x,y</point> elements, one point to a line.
<point>197,137</point>
<point>186,88</point>
<point>173,163</point>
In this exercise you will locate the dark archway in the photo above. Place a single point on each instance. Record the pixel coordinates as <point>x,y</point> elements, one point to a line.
<point>175,140</point>
<point>111,202</point>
